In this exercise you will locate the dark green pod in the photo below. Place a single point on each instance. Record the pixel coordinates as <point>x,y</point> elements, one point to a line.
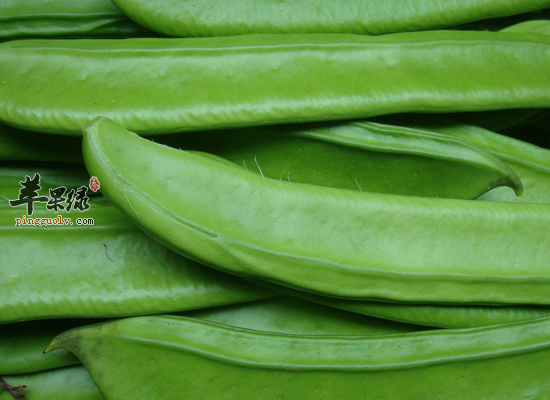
<point>20,145</point>
<point>68,383</point>
<point>362,156</point>
<point>184,18</point>
<point>154,86</point>
<point>65,18</point>
<point>327,241</point>
<point>149,357</point>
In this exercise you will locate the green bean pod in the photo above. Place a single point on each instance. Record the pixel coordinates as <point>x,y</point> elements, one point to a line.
<point>148,357</point>
<point>154,86</point>
<point>355,155</point>
<point>65,18</point>
<point>224,18</point>
<point>68,383</point>
<point>110,269</point>
<point>327,241</point>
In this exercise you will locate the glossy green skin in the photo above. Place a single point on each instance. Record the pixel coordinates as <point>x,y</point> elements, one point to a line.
<point>327,241</point>
<point>356,155</point>
<point>111,269</point>
<point>154,86</point>
<point>531,163</point>
<point>65,18</point>
<point>181,18</point>
<point>361,156</point>
<point>69,383</point>
<point>152,357</point>
<point>22,345</point>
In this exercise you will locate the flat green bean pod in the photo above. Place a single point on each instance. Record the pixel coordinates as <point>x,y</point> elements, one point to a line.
<point>69,383</point>
<point>184,18</point>
<point>65,18</point>
<point>327,241</point>
<point>149,357</point>
<point>110,269</point>
<point>154,86</point>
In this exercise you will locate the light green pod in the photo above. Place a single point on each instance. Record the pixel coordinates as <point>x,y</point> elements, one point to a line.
<point>354,155</point>
<point>110,269</point>
<point>327,241</point>
<point>65,18</point>
<point>154,86</point>
<point>149,357</point>
<point>181,18</point>
<point>69,383</point>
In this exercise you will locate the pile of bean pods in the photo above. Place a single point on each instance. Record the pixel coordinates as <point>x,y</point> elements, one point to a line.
<point>274,199</point>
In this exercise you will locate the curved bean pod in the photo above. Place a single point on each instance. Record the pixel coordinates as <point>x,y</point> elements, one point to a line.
<point>181,18</point>
<point>154,86</point>
<point>159,356</point>
<point>328,241</point>
<point>363,156</point>
<point>532,163</point>
<point>65,18</point>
